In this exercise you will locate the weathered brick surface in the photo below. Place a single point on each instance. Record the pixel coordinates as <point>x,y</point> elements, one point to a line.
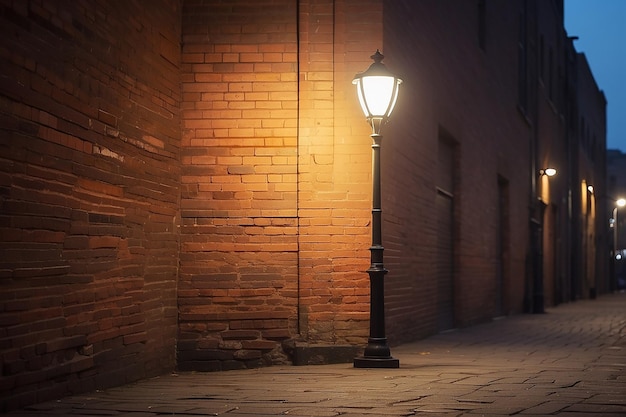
<point>453,84</point>
<point>274,230</point>
<point>452,87</point>
<point>238,262</point>
<point>336,40</point>
<point>89,144</point>
<point>236,232</point>
<point>589,128</point>
<point>252,191</point>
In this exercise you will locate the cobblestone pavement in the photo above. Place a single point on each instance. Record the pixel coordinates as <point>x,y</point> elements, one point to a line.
<point>570,361</point>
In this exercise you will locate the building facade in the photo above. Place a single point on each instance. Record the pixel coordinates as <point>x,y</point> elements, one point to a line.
<point>196,194</point>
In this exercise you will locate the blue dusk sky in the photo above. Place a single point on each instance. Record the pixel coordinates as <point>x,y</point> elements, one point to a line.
<point>601,29</point>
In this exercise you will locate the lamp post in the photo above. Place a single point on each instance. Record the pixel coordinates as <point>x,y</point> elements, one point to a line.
<point>377,90</point>
<point>615,225</point>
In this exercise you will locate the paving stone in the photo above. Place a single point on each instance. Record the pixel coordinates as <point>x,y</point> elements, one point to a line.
<point>546,408</point>
<point>570,361</point>
<point>596,408</point>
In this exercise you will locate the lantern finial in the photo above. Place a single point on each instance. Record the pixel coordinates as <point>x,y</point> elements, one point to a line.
<point>377,57</point>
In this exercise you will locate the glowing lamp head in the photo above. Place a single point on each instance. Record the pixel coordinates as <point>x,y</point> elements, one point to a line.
<point>377,89</point>
<point>621,202</point>
<point>550,172</point>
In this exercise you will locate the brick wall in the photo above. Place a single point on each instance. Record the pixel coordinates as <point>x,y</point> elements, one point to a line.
<point>89,149</point>
<point>304,234</point>
<point>238,272</point>
<point>456,90</point>
<point>552,149</point>
<point>591,155</point>
<point>336,41</point>
<point>275,179</point>
<point>245,219</point>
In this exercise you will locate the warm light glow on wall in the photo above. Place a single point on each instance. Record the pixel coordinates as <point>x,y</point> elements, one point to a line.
<point>592,201</point>
<point>583,197</point>
<point>544,183</point>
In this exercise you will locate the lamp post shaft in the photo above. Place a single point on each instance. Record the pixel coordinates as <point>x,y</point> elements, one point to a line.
<point>614,252</point>
<point>377,353</point>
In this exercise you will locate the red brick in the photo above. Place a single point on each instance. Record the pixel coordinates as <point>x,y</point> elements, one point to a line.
<point>240,166</point>
<point>82,166</point>
<point>259,344</point>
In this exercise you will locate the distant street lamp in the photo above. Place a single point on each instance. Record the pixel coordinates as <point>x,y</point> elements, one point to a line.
<point>377,90</point>
<point>550,172</point>
<point>537,243</point>
<point>615,256</point>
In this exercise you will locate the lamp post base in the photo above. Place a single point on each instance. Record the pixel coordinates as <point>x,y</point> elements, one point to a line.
<point>365,362</point>
<point>376,355</point>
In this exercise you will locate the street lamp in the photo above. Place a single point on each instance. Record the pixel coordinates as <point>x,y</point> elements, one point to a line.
<point>615,225</point>
<point>536,227</point>
<point>377,90</point>
<point>550,172</point>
